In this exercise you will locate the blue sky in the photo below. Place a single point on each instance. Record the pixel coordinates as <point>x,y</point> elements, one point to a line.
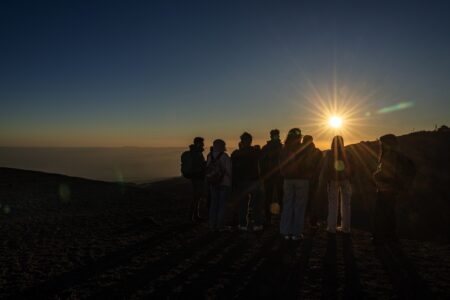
<point>116,73</point>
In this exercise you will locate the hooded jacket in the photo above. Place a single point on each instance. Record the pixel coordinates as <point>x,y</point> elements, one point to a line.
<point>246,164</point>
<point>297,162</point>
<point>270,159</point>
<point>387,177</point>
<point>198,162</point>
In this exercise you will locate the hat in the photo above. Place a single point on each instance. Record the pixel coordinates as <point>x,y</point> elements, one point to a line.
<point>389,139</point>
<point>295,132</point>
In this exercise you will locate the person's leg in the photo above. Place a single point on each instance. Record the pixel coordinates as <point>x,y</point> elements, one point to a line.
<point>300,202</point>
<point>243,205</point>
<point>310,203</point>
<point>208,197</point>
<point>287,214</point>
<point>346,195</point>
<point>224,194</point>
<point>279,192</point>
<point>269,188</point>
<point>377,218</point>
<point>381,217</point>
<point>196,194</point>
<point>215,194</point>
<point>314,204</point>
<point>333,193</point>
<point>391,218</point>
<point>257,200</point>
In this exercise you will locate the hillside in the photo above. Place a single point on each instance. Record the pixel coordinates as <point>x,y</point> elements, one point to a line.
<point>64,237</point>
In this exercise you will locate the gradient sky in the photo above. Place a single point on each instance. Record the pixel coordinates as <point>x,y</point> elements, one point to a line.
<point>148,73</point>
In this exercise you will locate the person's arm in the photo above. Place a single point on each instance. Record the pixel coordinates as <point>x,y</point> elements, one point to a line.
<point>208,159</point>
<point>228,166</point>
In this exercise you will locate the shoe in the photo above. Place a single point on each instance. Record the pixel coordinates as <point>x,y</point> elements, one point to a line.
<point>297,237</point>
<point>258,228</point>
<point>342,230</point>
<point>242,228</point>
<point>287,237</point>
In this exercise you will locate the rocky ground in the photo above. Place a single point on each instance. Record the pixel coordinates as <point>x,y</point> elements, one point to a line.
<point>107,241</point>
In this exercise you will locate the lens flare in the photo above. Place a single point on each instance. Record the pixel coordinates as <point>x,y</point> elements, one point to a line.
<point>332,109</point>
<point>335,122</point>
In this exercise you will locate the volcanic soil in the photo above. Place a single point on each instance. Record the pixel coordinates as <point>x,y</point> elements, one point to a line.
<point>70,238</point>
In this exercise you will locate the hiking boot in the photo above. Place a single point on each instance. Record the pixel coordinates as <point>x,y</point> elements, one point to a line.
<point>297,237</point>
<point>258,228</point>
<point>342,230</point>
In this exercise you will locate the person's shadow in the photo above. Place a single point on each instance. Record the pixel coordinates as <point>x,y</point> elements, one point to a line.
<point>329,269</point>
<point>352,289</point>
<point>404,276</point>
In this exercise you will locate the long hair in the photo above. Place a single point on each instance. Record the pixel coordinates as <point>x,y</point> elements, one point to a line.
<point>337,148</point>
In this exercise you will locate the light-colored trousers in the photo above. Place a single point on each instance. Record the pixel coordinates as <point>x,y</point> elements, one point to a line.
<point>295,198</point>
<point>344,189</point>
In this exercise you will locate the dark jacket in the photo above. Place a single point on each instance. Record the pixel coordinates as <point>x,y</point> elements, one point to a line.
<point>245,163</point>
<point>387,177</point>
<point>298,162</point>
<point>270,160</point>
<point>315,158</point>
<point>198,163</point>
<point>338,168</point>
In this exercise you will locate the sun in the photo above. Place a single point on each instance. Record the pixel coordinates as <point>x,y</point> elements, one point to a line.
<point>335,122</point>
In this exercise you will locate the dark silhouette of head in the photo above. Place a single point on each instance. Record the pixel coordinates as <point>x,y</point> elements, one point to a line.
<point>274,135</point>
<point>199,142</point>
<point>307,139</point>
<point>293,137</point>
<point>219,145</point>
<point>337,147</point>
<point>246,139</point>
<point>388,143</point>
<point>389,140</point>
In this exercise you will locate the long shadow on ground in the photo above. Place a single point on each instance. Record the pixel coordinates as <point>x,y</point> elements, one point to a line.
<point>402,272</point>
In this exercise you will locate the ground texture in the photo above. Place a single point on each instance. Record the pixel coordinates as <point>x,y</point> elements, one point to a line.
<point>139,246</point>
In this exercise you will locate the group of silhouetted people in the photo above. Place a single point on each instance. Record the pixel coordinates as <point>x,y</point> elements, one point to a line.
<point>285,176</point>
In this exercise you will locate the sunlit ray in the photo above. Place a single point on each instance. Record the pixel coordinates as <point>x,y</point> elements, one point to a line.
<point>329,112</point>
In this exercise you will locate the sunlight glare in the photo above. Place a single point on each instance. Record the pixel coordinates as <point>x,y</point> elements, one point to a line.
<point>335,122</point>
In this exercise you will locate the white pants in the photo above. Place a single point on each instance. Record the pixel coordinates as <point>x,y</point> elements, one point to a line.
<point>336,188</point>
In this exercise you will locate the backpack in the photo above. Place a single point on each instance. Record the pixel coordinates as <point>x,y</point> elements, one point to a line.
<point>406,172</point>
<point>186,164</point>
<point>214,171</point>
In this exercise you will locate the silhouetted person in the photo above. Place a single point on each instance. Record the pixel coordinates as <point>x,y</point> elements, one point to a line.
<point>246,178</point>
<point>296,169</point>
<point>315,157</point>
<point>218,177</point>
<point>270,172</point>
<point>193,166</point>
<point>395,172</point>
<point>338,174</point>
